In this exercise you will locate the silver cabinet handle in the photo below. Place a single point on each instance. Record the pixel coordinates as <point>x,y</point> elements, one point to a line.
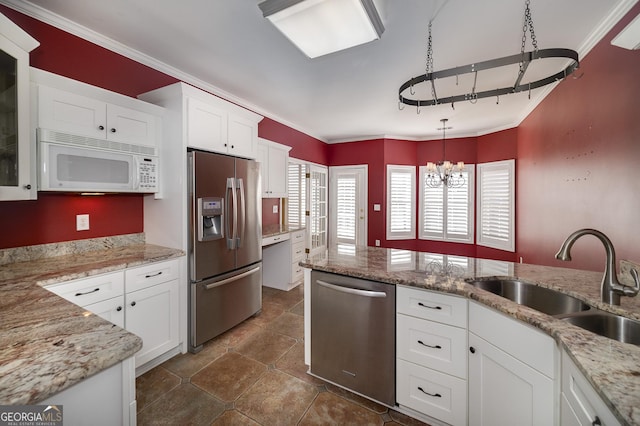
<point>231,279</point>
<point>349,290</point>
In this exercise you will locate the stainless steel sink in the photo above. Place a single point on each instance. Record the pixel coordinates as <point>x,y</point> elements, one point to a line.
<point>608,325</point>
<point>542,299</point>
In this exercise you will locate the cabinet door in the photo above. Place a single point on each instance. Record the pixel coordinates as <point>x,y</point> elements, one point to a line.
<point>71,113</point>
<point>242,137</point>
<point>17,173</point>
<point>505,391</point>
<point>206,126</point>
<point>131,126</point>
<point>278,159</point>
<point>152,314</point>
<point>111,310</point>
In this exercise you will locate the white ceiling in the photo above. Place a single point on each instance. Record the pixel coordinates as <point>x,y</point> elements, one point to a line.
<point>227,47</point>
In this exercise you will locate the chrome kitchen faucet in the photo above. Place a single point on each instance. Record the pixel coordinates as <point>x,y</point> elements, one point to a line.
<point>611,289</point>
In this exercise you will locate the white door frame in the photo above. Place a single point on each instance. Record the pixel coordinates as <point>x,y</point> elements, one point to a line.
<point>361,171</point>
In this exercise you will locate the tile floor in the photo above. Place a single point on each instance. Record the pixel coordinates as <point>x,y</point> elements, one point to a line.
<point>254,374</point>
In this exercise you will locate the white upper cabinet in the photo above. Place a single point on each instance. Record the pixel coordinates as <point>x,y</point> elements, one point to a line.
<point>17,157</point>
<point>219,126</point>
<point>71,113</point>
<point>273,158</point>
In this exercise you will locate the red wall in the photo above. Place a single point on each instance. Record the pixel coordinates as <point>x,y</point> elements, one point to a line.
<point>578,161</point>
<point>303,146</point>
<point>52,218</point>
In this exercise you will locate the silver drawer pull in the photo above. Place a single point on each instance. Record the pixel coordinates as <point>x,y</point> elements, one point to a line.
<point>153,275</point>
<point>349,373</point>
<point>430,307</point>
<point>435,395</point>
<point>429,346</point>
<point>88,292</point>
<point>356,291</point>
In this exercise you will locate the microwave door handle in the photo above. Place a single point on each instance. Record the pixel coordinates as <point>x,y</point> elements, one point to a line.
<point>243,212</point>
<point>230,217</point>
<point>136,173</point>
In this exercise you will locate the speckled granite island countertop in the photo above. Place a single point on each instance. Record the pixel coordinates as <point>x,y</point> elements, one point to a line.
<point>47,343</point>
<point>613,368</point>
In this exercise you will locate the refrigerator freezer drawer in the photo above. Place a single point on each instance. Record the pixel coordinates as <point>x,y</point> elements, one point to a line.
<point>223,302</point>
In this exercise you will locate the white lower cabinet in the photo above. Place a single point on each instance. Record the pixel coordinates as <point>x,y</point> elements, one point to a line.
<point>580,404</point>
<point>512,371</point>
<point>152,313</point>
<point>106,398</point>
<point>143,300</point>
<point>431,348</point>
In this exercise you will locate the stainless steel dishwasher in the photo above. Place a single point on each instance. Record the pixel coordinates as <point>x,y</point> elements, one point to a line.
<point>353,341</point>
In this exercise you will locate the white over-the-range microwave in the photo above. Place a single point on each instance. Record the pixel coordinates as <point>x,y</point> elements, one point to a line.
<point>73,163</point>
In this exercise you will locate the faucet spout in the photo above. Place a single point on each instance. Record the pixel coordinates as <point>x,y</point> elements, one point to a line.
<point>611,289</point>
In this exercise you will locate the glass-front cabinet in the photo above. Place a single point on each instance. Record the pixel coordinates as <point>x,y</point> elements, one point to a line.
<point>17,150</point>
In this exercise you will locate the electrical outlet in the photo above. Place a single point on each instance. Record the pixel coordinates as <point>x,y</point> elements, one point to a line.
<point>275,209</point>
<point>377,243</point>
<point>376,207</point>
<point>82,222</point>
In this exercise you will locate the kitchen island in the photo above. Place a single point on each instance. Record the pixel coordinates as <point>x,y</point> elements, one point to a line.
<point>611,367</point>
<point>47,343</point>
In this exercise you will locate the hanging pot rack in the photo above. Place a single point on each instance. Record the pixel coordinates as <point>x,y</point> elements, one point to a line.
<point>523,59</point>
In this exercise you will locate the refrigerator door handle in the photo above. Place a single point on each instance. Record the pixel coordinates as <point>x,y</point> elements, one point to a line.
<point>243,212</point>
<point>233,205</point>
<point>231,279</point>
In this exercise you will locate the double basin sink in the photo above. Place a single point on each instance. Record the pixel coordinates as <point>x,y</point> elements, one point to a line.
<point>565,307</point>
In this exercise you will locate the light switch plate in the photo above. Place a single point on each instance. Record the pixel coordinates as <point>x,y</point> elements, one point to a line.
<point>82,222</point>
<point>275,209</point>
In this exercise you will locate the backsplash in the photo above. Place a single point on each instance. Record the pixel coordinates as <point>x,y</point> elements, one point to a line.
<point>41,251</point>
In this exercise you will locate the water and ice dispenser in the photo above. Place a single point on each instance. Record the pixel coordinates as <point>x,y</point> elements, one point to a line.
<point>210,218</point>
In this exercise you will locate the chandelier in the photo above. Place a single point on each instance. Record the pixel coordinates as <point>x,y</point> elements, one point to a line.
<point>407,92</point>
<point>445,172</point>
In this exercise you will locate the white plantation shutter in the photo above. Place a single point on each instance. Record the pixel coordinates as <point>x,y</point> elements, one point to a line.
<point>401,209</point>
<point>496,213</point>
<point>297,194</point>
<point>447,213</point>
<point>346,208</point>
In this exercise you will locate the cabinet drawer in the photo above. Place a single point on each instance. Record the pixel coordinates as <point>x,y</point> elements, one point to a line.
<point>297,236</point>
<point>86,291</point>
<point>432,306</point>
<point>148,275</point>
<point>297,272</point>
<point>266,241</point>
<point>297,251</point>
<point>431,344</point>
<point>435,394</point>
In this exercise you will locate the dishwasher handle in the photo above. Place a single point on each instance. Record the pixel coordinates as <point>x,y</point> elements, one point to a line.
<point>349,290</point>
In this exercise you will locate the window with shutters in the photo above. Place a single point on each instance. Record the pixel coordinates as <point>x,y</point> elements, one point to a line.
<point>495,210</point>
<point>446,214</point>
<point>401,207</point>
<point>296,202</point>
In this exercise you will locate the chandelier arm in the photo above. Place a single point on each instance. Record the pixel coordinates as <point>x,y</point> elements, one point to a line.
<point>493,63</point>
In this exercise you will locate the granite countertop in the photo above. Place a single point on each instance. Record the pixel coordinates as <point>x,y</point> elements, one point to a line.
<point>613,368</point>
<point>48,344</point>
<point>277,229</point>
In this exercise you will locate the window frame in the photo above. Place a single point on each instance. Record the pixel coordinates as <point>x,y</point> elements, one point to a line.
<point>445,235</point>
<point>482,238</point>
<point>407,234</point>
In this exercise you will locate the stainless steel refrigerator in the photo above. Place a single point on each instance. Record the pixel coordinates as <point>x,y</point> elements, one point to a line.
<point>225,250</point>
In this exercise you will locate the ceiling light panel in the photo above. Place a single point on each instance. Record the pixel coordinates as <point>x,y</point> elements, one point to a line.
<point>319,27</point>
